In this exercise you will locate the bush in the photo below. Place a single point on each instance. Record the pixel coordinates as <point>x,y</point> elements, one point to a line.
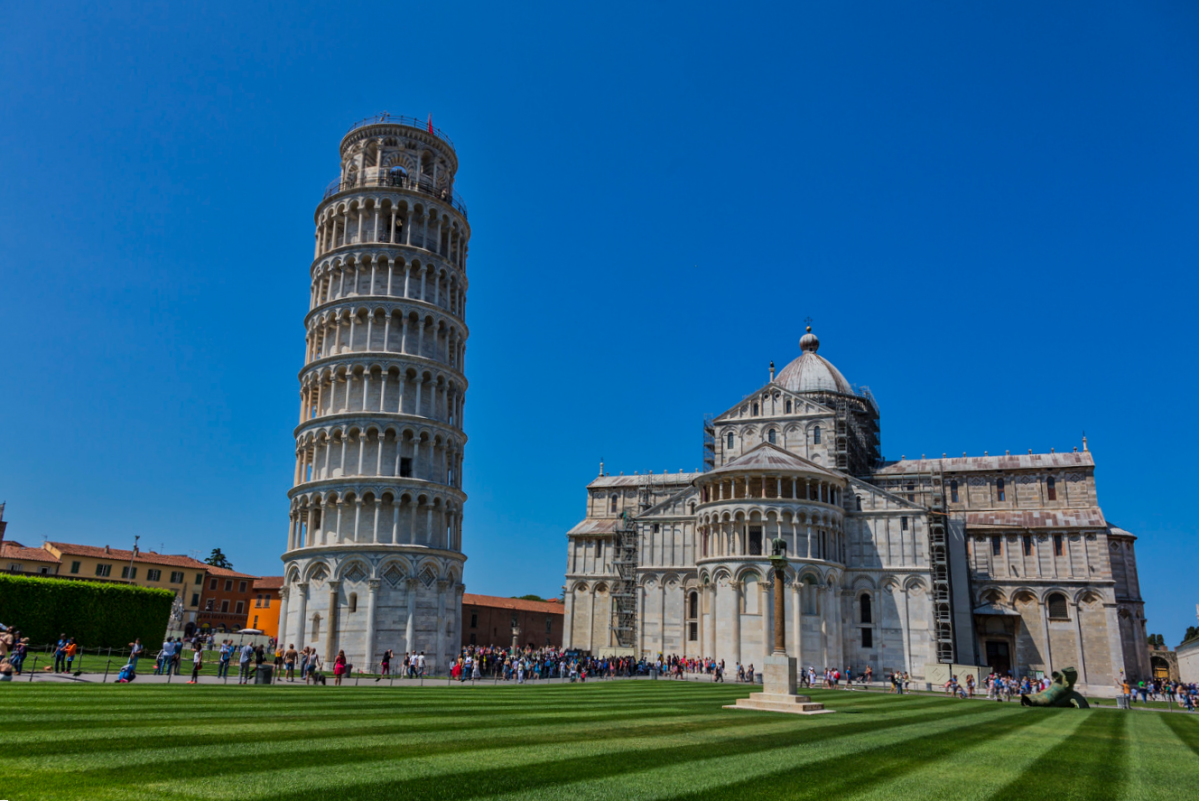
<point>96,614</point>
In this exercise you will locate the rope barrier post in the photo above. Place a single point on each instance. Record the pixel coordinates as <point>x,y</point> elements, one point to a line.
<point>106,667</point>
<point>34,669</point>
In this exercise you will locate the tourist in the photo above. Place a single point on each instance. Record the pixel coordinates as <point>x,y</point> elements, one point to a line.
<point>60,653</point>
<point>17,657</point>
<point>339,668</point>
<point>135,652</point>
<point>385,664</point>
<point>247,653</point>
<point>289,662</point>
<point>226,653</point>
<point>312,665</point>
<point>197,663</point>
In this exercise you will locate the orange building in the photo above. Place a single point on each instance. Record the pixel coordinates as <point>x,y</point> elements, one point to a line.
<point>226,599</point>
<point>264,614</point>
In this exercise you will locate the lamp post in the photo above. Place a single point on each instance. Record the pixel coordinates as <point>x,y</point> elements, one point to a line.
<point>133,556</point>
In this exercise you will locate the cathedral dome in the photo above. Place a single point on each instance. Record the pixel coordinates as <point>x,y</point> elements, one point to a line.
<point>810,372</point>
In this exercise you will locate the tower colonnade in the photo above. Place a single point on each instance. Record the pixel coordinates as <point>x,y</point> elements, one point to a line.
<point>376,502</point>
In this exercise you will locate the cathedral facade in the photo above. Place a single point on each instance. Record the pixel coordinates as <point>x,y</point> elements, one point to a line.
<point>999,561</point>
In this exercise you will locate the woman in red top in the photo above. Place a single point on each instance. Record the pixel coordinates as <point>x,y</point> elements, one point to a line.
<point>339,668</point>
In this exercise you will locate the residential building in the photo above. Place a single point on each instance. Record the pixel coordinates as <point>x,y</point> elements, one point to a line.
<point>225,600</point>
<point>491,620</point>
<point>16,558</point>
<point>264,614</point>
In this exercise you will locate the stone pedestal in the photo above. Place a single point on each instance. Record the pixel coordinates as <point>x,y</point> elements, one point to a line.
<point>778,691</point>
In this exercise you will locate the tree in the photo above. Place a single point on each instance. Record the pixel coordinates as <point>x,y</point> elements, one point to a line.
<point>1157,641</point>
<point>1192,633</point>
<point>218,559</point>
<point>527,598</point>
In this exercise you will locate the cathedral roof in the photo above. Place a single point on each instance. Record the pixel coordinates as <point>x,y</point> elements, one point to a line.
<point>811,372</point>
<point>1019,461</point>
<point>1091,517</point>
<point>772,458</point>
<point>656,480</point>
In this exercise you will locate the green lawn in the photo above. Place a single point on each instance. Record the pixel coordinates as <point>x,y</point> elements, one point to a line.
<point>603,740</point>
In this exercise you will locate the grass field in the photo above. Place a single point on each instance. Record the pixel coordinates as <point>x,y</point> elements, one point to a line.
<point>611,740</point>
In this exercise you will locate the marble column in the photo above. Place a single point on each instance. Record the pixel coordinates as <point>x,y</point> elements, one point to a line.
<point>331,629</point>
<point>302,615</point>
<point>284,592</point>
<point>371,601</point>
<point>735,627</point>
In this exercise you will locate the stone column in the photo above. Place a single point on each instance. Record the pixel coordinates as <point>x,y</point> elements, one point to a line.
<point>780,611</point>
<point>764,604</point>
<point>1082,662</point>
<point>711,623</point>
<point>302,615</point>
<point>410,625</point>
<point>441,654</point>
<point>907,633</point>
<point>797,622</point>
<point>662,616</point>
<point>569,620</point>
<point>735,627</point>
<point>331,632</point>
<point>283,593</point>
<point>371,600</point>
<point>1045,628</point>
<point>591,622</point>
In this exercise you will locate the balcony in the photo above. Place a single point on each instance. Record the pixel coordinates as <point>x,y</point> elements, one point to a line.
<point>394,180</point>
<point>384,118</point>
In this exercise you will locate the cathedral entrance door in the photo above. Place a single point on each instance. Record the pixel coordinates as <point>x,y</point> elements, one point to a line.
<point>998,656</point>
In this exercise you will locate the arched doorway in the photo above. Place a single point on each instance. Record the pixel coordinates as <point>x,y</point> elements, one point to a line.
<point>1160,667</point>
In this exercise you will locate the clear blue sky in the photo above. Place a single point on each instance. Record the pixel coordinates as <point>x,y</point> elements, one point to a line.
<point>989,210</point>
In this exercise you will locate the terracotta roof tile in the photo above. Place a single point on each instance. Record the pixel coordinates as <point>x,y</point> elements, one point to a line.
<point>225,573</point>
<point>269,583</point>
<point>143,557</point>
<point>1020,461</point>
<point>15,550</point>
<point>513,603</point>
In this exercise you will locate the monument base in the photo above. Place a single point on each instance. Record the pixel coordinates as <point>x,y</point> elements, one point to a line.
<point>778,691</point>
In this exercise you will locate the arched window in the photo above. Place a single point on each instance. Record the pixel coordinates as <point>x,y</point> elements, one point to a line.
<point>693,616</point>
<point>864,608</point>
<point>353,602</point>
<point>316,628</point>
<point>787,405</point>
<point>1000,491</point>
<point>953,491</point>
<point>859,497</point>
<point>612,504</point>
<point>730,440</point>
<point>1058,608</point>
<point>770,436</point>
<point>911,493</point>
<point>1051,488</point>
<point>693,506</point>
<point>755,409</point>
<point>816,435</point>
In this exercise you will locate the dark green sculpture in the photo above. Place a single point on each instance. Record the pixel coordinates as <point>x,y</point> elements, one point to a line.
<point>1060,694</point>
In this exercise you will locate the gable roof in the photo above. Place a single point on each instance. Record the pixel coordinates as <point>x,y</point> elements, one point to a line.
<point>268,583</point>
<point>117,554</point>
<point>15,550</point>
<point>226,573</point>
<point>548,607</point>
<point>655,480</point>
<point>772,386</point>
<point>771,457</point>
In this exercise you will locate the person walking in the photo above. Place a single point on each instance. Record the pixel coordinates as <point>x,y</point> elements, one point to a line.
<point>72,649</point>
<point>313,665</point>
<point>135,653</point>
<point>339,668</point>
<point>385,665</point>
<point>247,653</point>
<point>225,654</point>
<point>197,663</point>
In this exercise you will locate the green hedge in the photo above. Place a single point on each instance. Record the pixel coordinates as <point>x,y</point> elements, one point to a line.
<point>96,614</point>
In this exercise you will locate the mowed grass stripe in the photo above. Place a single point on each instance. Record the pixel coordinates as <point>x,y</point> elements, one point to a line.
<point>1089,765</point>
<point>336,751</point>
<point>521,769</point>
<point>631,740</point>
<point>976,771</point>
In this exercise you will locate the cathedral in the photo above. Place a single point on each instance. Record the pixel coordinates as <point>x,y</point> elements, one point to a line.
<point>1000,561</point>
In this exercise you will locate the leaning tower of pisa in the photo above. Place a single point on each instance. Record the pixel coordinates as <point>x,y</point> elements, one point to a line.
<point>374,551</point>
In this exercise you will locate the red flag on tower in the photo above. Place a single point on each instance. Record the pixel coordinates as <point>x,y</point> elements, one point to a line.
<point>430,123</point>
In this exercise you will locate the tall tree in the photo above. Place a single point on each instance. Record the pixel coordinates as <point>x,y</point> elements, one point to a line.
<point>218,559</point>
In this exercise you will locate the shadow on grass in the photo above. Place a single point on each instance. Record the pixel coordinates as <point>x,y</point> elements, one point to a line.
<point>1089,765</point>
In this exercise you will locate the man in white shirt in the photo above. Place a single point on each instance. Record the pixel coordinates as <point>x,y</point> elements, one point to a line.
<point>420,662</point>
